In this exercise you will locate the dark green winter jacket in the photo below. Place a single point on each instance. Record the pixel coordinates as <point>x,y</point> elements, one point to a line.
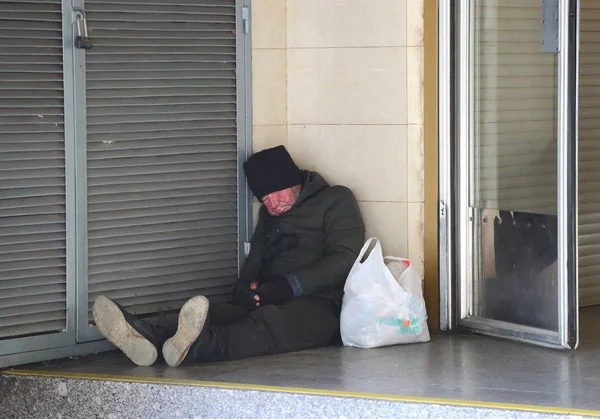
<point>313,245</point>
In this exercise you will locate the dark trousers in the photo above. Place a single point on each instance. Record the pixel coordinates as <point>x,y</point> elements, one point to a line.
<point>234,332</point>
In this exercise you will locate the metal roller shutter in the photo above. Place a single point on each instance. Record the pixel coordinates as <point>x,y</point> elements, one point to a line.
<point>589,154</point>
<point>162,151</point>
<point>32,169</point>
<point>515,112</point>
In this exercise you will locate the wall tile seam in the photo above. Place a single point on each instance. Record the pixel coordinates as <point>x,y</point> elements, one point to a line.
<point>348,47</point>
<point>390,202</point>
<point>287,73</point>
<point>321,124</point>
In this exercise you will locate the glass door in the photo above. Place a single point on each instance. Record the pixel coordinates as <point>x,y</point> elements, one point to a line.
<point>515,169</point>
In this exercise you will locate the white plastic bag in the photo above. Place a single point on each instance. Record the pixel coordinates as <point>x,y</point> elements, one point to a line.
<point>377,310</point>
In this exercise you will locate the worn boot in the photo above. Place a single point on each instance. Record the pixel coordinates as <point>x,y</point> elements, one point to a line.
<point>192,322</point>
<point>137,339</point>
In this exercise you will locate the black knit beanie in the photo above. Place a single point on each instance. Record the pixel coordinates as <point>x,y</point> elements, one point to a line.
<point>272,170</point>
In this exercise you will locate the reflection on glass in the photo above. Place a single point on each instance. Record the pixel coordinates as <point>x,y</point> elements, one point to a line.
<point>513,109</point>
<point>513,172</point>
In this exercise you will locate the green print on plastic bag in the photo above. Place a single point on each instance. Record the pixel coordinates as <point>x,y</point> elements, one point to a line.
<point>405,327</point>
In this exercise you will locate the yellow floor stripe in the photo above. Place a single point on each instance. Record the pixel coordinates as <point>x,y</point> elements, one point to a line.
<point>305,391</point>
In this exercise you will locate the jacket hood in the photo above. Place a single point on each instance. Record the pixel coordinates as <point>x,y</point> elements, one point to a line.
<point>313,184</point>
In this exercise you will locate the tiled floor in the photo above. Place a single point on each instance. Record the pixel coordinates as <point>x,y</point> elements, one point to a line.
<point>472,368</point>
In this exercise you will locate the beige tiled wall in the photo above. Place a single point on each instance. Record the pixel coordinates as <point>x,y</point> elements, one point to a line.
<point>269,73</point>
<point>340,82</point>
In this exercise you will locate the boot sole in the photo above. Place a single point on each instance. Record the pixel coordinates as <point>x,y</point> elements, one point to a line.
<point>191,322</point>
<point>113,326</point>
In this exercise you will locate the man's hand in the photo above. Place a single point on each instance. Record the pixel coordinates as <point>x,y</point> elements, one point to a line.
<point>245,297</point>
<point>275,292</point>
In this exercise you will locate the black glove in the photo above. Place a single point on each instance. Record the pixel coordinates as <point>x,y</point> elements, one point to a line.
<point>243,296</point>
<point>275,292</point>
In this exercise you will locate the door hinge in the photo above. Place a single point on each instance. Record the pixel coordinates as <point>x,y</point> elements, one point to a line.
<point>246,19</point>
<point>550,23</point>
<point>247,248</point>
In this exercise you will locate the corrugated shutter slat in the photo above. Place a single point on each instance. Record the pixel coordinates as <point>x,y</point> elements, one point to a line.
<point>162,151</point>
<point>32,169</point>
<point>589,157</point>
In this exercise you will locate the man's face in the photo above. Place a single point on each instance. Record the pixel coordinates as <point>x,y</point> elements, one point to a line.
<point>281,202</point>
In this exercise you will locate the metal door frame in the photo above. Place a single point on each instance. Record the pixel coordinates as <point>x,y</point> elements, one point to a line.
<point>455,250</point>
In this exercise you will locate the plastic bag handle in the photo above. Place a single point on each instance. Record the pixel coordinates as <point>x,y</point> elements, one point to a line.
<point>366,246</point>
<point>406,261</point>
<point>397,259</point>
